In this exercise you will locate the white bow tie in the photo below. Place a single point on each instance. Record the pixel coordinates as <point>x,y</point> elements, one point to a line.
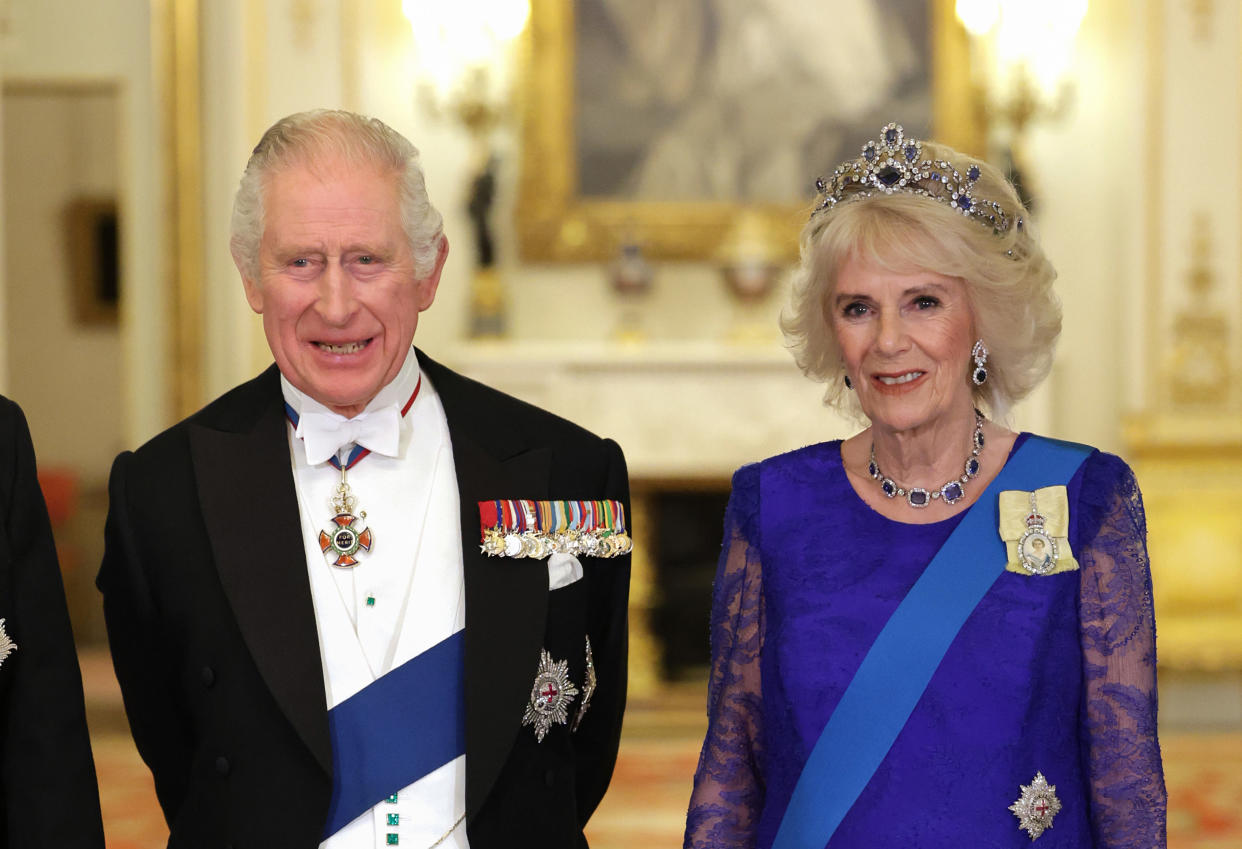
<point>325,433</point>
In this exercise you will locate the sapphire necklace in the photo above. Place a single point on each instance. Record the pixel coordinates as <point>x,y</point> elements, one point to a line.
<point>951,492</point>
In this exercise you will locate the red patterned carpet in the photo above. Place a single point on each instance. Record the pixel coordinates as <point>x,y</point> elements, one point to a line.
<point>646,804</point>
<point>1204,776</point>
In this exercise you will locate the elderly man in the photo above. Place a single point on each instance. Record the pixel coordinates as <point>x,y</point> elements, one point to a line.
<point>362,600</point>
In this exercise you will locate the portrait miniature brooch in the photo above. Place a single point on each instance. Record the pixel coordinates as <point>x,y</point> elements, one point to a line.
<point>1035,529</point>
<point>537,529</point>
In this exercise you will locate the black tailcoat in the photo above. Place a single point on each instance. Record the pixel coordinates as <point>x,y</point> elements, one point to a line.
<point>48,794</point>
<point>213,632</point>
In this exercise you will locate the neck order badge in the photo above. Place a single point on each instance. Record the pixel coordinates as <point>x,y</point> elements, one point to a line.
<point>347,536</point>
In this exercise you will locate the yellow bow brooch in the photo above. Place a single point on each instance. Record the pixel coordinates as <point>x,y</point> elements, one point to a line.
<point>1035,528</point>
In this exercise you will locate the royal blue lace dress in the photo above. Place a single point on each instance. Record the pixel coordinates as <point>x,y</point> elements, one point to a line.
<point>1050,674</point>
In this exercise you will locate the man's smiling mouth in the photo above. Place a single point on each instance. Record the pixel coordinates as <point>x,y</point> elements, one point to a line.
<point>343,348</point>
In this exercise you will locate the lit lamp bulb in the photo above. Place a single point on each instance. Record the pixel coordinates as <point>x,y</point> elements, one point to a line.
<point>470,31</point>
<point>1051,63</point>
<point>1040,37</point>
<point>978,16</point>
<point>1024,43</point>
<point>507,18</point>
<point>464,47</point>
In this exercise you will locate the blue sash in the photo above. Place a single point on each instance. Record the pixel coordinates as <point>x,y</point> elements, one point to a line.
<point>892,677</point>
<point>397,729</point>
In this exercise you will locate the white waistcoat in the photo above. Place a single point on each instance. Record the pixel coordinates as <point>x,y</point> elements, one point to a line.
<point>414,574</point>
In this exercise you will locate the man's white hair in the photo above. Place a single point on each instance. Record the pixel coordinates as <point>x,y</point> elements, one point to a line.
<point>319,135</point>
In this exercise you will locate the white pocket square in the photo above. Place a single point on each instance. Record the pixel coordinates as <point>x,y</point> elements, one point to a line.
<point>563,570</point>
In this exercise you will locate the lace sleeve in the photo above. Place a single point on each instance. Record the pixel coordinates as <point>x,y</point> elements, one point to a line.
<point>1118,633</point>
<point>728,785</point>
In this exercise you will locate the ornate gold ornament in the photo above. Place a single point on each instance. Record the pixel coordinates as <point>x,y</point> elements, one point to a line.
<point>1198,367</point>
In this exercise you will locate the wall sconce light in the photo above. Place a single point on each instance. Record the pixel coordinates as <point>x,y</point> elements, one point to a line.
<point>1021,51</point>
<point>466,51</point>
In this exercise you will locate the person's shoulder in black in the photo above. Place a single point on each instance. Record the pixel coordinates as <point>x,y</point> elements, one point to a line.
<point>48,792</point>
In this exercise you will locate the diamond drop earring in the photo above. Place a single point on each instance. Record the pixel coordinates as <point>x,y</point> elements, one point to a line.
<point>979,354</point>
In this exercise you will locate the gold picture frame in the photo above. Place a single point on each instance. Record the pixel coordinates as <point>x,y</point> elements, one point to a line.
<point>556,223</point>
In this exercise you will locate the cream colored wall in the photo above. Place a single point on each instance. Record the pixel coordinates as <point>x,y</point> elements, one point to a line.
<point>1194,178</point>
<point>1091,221</point>
<point>229,325</point>
<point>110,43</point>
<point>59,146</point>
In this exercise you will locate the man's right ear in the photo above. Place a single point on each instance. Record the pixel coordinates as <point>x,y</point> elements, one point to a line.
<point>254,292</point>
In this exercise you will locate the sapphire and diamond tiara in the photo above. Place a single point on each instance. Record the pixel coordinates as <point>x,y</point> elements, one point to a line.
<point>894,163</point>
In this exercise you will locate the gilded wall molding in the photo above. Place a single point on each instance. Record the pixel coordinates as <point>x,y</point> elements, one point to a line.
<point>1154,182</point>
<point>175,40</point>
<point>1198,370</point>
<point>1202,13</point>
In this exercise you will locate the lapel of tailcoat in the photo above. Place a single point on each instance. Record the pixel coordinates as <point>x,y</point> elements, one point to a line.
<point>245,486</point>
<point>506,599</point>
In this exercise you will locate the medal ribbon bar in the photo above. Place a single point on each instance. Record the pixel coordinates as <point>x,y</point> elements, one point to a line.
<point>538,529</point>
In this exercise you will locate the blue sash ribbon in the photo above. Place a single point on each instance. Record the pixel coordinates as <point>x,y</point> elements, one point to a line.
<point>397,729</point>
<point>900,663</point>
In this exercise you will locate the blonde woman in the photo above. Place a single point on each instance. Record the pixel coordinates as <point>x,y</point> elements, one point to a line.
<point>938,632</point>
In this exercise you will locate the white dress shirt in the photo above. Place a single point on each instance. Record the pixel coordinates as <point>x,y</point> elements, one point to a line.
<point>414,574</point>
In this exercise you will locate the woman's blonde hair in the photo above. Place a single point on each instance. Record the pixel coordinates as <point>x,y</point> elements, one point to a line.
<point>1008,279</point>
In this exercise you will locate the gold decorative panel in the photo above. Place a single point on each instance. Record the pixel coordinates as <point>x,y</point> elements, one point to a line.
<point>1189,469</point>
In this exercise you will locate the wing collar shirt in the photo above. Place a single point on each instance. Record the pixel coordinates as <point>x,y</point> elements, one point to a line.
<point>406,594</point>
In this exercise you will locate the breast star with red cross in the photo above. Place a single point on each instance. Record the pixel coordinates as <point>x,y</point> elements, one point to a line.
<point>1037,806</point>
<point>550,696</point>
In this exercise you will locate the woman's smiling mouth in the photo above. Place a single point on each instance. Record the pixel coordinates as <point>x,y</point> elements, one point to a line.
<point>897,380</point>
